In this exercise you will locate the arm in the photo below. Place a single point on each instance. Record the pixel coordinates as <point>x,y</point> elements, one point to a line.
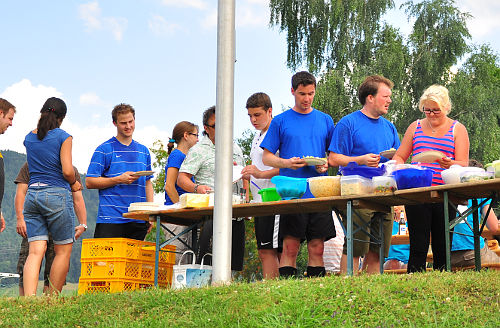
<point>258,174</point>
<point>491,220</point>
<point>335,159</point>
<point>103,182</point>
<point>184,181</point>
<point>2,222</point>
<point>149,191</point>
<point>406,147</point>
<point>21,190</point>
<point>271,159</point>
<point>171,178</point>
<point>67,166</point>
<point>80,211</point>
<point>461,148</point>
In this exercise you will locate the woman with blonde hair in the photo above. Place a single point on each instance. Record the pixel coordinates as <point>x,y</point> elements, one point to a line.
<point>435,132</point>
<point>185,135</point>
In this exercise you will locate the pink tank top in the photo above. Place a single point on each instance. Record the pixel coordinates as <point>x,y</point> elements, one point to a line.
<point>445,144</point>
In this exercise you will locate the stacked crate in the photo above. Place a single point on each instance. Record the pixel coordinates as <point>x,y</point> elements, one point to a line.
<point>121,264</point>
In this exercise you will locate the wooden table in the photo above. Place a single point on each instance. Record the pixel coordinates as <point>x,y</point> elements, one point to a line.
<point>457,193</point>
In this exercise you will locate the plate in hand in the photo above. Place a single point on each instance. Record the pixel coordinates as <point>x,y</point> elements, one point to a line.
<point>313,161</point>
<point>430,156</point>
<point>142,173</point>
<point>389,153</point>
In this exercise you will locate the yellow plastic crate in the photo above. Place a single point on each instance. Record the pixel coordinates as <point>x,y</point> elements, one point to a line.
<point>93,286</point>
<point>125,248</point>
<point>119,268</point>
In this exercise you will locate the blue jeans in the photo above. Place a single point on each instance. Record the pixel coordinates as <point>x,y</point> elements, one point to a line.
<point>49,209</point>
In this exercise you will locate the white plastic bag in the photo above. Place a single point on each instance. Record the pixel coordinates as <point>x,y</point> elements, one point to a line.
<point>191,275</point>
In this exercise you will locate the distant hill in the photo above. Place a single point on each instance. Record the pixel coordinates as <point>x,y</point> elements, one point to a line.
<point>10,241</point>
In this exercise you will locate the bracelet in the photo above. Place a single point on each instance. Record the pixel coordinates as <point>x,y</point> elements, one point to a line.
<point>196,188</point>
<point>73,183</point>
<point>83,225</point>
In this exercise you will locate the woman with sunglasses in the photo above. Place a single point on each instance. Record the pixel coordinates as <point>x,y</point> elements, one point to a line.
<point>185,135</point>
<point>435,132</point>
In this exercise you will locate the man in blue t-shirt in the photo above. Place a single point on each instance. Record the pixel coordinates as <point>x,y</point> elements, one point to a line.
<point>360,137</point>
<point>111,170</point>
<point>298,132</point>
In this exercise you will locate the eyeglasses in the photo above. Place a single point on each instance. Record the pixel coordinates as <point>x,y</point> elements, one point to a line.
<point>194,134</point>
<point>211,126</point>
<point>429,110</point>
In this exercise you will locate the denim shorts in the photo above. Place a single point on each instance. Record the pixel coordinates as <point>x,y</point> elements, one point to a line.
<point>50,209</point>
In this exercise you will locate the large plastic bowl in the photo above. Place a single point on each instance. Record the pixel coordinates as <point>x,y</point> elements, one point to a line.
<point>269,195</point>
<point>413,178</point>
<point>325,186</point>
<point>352,168</point>
<point>288,187</point>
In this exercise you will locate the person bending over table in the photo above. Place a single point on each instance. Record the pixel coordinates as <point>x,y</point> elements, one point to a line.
<point>200,165</point>
<point>435,132</point>
<point>360,137</point>
<point>462,246</point>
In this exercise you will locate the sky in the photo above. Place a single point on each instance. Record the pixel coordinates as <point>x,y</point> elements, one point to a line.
<point>157,55</point>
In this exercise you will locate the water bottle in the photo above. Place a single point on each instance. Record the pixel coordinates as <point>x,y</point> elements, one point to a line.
<point>402,224</point>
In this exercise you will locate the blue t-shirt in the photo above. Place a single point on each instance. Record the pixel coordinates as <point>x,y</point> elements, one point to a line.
<point>398,252</point>
<point>44,158</point>
<point>175,159</point>
<point>298,135</point>
<point>111,159</point>
<point>461,242</point>
<point>357,134</point>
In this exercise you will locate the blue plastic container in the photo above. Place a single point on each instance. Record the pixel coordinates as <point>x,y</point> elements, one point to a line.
<point>352,168</point>
<point>288,187</point>
<point>413,178</point>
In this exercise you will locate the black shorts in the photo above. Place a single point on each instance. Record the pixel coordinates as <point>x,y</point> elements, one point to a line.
<point>308,226</point>
<point>133,230</point>
<point>267,230</point>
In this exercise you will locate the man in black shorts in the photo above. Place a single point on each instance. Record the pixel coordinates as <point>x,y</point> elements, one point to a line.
<point>269,244</point>
<point>298,132</point>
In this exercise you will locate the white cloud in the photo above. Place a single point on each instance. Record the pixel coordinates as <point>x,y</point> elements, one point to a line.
<point>90,13</point>
<point>196,4</point>
<point>159,26</point>
<point>29,99</point>
<point>90,99</point>
<point>485,20</point>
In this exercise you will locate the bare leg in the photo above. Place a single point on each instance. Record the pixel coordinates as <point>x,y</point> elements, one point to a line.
<point>270,263</point>
<point>371,263</point>
<point>315,250</point>
<point>343,264</point>
<point>291,247</point>
<point>32,266</point>
<point>60,267</point>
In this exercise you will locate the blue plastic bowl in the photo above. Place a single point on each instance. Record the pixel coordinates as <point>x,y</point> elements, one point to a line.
<point>413,178</point>
<point>352,168</point>
<point>288,187</point>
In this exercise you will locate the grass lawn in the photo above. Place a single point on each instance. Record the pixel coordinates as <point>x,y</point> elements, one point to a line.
<point>433,299</point>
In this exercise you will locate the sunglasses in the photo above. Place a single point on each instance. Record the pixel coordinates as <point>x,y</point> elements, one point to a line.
<point>211,126</point>
<point>194,134</point>
<point>429,110</point>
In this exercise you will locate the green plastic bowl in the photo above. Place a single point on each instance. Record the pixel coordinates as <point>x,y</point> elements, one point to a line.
<point>269,195</point>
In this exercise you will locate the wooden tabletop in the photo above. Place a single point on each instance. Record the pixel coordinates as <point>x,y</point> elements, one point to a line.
<point>458,193</point>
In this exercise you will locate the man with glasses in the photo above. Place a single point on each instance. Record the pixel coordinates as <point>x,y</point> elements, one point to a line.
<point>360,137</point>
<point>200,164</point>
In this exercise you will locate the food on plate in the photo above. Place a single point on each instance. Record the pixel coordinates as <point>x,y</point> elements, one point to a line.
<point>312,160</point>
<point>325,186</point>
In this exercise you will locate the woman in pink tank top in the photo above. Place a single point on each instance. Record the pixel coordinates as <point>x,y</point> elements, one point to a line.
<point>435,132</point>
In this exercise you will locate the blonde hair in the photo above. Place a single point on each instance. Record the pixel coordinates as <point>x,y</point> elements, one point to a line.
<point>438,94</point>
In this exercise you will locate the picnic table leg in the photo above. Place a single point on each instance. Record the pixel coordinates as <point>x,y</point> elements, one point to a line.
<point>349,239</point>
<point>447,231</point>
<point>157,249</point>
<point>381,251</point>
<point>476,234</point>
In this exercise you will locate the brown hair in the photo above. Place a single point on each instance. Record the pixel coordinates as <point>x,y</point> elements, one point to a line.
<point>178,133</point>
<point>5,106</point>
<point>475,163</point>
<point>370,85</point>
<point>122,109</point>
<point>305,78</point>
<point>259,99</point>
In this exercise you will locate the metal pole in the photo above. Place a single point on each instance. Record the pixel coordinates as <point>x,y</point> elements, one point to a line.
<point>476,234</point>
<point>447,231</point>
<point>349,239</point>
<point>224,143</point>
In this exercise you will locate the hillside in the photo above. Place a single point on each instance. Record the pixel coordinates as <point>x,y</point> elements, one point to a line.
<point>10,240</point>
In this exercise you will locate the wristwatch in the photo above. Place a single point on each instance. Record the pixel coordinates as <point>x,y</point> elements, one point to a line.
<point>83,225</point>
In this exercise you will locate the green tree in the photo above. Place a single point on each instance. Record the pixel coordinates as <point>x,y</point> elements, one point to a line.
<point>161,156</point>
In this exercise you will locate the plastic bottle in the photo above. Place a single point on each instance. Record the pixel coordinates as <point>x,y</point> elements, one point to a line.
<point>402,224</point>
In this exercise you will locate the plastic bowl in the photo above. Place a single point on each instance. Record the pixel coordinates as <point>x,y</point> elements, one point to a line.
<point>288,187</point>
<point>365,171</point>
<point>325,186</point>
<point>413,178</point>
<point>269,195</point>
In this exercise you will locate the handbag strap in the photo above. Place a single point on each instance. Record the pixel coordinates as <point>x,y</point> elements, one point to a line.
<point>203,259</point>
<point>194,257</point>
